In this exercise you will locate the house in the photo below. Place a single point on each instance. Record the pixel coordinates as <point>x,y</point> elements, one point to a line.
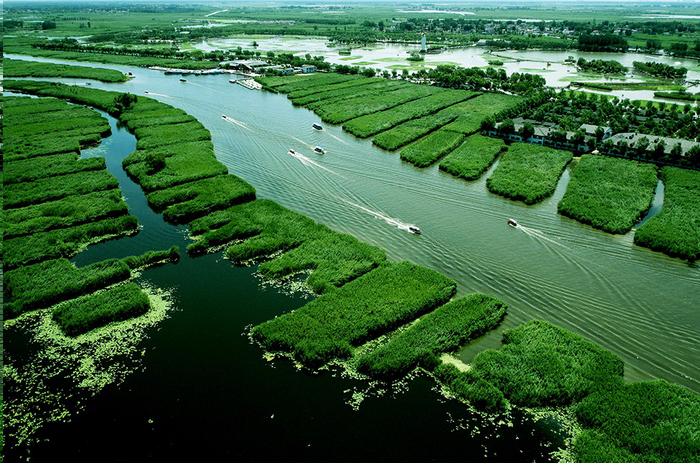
<point>308,69</point>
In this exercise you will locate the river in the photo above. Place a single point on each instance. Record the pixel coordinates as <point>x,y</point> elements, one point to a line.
<point>203,381</point>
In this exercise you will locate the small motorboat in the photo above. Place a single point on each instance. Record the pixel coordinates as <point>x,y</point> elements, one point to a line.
<point>223,116</point>
<point>183,80</point>
<point>512,223</point>
<point>413,229</point>
<point>319,150</point>
<point>145,91</point>
<point>317,126</point>
<point>292,152</point>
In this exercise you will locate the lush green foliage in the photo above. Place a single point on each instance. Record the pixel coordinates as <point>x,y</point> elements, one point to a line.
<point>660,69</point>
<point>472,112</point>
<point>528,173</point>
<point>160,135</point>
<point>540,364</point>
<point>407,132</point>
<point>349,108</point>
<point>48,166</point>
<point>67,212</point>
<point>268,228</point>
<point>303,81</point>
<point>468,386</point>
<point>335,92</point>
<point>676,229</point>
<point>371,124</point>
<point>445,329</point>
<point>183,203</point>
<point>47,283</point>
<point>94,311</point>
<point>152,257</point>
<point>426,151</point>
<point>63,242</point>
<point>473,158</point>
<point>643,421</point>
<point>601,66</point>
<point>608,193</point>
<point>53,188</point>
<point>21,68</point>
<point>362,309</point>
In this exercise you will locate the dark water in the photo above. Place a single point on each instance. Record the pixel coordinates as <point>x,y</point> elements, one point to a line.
<point>204,393</point>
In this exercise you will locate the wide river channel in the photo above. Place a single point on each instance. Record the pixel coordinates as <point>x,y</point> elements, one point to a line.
<point>204,382</point>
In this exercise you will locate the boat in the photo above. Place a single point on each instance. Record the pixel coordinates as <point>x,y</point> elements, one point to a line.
<point>145,91</point>
<point>292,152</point>
<point>512,223</point>
<point>319,150</point>
<point>317,126</point>
<point>223,116</point>
<point>183,80</point>
<point>413,229</point>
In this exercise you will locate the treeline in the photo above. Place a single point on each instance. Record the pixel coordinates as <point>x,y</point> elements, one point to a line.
<point>481,79</point>
<point>601,66</point>
<point>607,43</point>
<point>660,70</point>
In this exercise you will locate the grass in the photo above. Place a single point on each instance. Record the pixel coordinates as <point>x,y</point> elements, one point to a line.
<point>405,133</point>
<point>540,364</point>
<point>676,229</point>
<point>268,228</point>
<point>341,91</point>
<point>609,194</point>
<point>47,283</point>
<point>471,388</point>
<point>64,242</point>
<point>528,173</point>
<point>87,313</point>
<point>183,203</point>
<point>643,421</point>
<point>341,111</point>
<point>363,309</point>
<point>22,68</point>
<point>428,150</point>
<point>150,258</point>
<point>17,171</point>
<point>53,188</point>
<point>64,213</point>
<point>473,158</point>
<point>372,124</point>
<point>472,112</point>
<point>444,329</point>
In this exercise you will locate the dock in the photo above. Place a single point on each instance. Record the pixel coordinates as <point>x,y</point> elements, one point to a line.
<point>250,84</point>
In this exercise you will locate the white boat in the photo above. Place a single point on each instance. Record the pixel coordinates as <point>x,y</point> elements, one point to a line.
<point>145,91</point>
<point>415,230</point>
<point>512,223</point>
<point>319,150</point>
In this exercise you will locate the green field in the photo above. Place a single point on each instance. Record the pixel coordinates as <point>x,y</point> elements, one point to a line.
<point>21,68</point>
<point>528,173</point>
<point>608,193</point>
<point>676,229</point>
<point>473,158</point>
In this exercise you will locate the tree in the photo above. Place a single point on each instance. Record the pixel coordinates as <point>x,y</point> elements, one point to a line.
<point>527,131</point>
<point>123,101</point>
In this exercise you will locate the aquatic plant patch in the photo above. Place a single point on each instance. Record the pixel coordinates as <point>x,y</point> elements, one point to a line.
<point>372,124</point>
<point>472,112</point>
<point>42,285</point>
<point>608,193</point>
<point>333,94</point>
<point>152,257</point>
<point>528,173</point>
<point>412,130</point>
<point>444,329</point>
<point>473,158</point>
<point>187,201</point>
<point>64,213</point>
<point>156,173</point>
<point>48,166</point>
<point>643,421</point>
<point>22,68</point>
<point>675,230</point>
<point>540,365</point>
<point>63,242</point>
<point>428,150</point>
<point>363,309</point>
<point>468,386</point>
<point>35,147</point>
<point>305,92</point>
<point>53,188</point>
<point>84,314</point>
<point>155,137</point>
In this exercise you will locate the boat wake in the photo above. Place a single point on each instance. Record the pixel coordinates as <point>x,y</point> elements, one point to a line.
<point>310,162</point>
<point>158,94</point>
<point>538,235</point>
<point>379,215</point>
<point>235,122</point>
